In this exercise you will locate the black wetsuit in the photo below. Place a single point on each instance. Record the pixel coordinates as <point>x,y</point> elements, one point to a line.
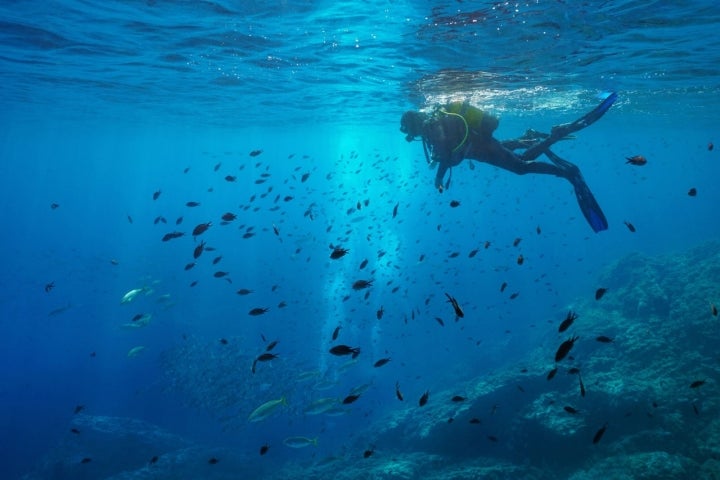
<point>448,142</point>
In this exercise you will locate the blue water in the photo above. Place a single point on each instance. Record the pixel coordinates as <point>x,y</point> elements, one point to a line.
<point>105,103</point>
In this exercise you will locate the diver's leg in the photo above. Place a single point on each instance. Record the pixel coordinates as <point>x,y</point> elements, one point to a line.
<point>529,138</point>
<point>495,153</point>
<point>559,132</point>
<point>590,208</point>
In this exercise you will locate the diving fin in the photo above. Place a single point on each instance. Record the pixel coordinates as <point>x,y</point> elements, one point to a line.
<point>588,205</point>
<point>560,132</point>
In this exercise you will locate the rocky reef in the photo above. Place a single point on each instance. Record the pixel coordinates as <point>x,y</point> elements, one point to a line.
<point>652,384</point>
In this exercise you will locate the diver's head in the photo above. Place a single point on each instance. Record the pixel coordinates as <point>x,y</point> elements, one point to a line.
<point>411,124</point>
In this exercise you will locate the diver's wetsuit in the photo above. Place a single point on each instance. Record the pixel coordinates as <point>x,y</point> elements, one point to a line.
<point>447,140</point>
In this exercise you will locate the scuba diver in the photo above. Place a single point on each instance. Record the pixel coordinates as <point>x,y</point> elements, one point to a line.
<point>458,131</point>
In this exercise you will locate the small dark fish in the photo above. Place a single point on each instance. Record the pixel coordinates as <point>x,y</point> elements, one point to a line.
<point>201,228</point>
<point>153,460</point>
<point>363,264</point>
<point>198,250</point>
<point>475,421</point>
<point>264,449</point>
<point>395,210</point>
<point>75,431</point>
<point>350,399</point>
<point>487,245</point>
<point>271,345</point>
<point>582,386</point>
<point>603,339</point>
<point>520,259</point>
<point>599,293</point>
<point>156,195</point>
<point>362,284</point>
<point>492,438</point>
<point>695,409</point>
<point>398,393</point>
<point>697,383</point>
<point>454,203</point>
<point>230,178</point>
<point>538,230</point>
<point>565,348</point>
<point>54,206</point>
<point>440,321</point>
<point>599,434</point>
<point>340,350</point>
<point>217,166</point>
<point>130,220</point>
<point>458,398</point>
<point>570,410</point>
<point>630,226</point>
<point>86,460</point>
<point>379,314</point>
<point>381,362</point>
<point>49,286</point>
<point>244,291</point>
<point>473,253</point>
<point>258,311</point>
<point>368,453</point>
<point>338,252</point>
<point>517,241</point>
<point>179,221</point>
<point>573,371</point>
<point>569,319</point>
<point>223,341</point>
<point>266,357</point>
<point>192,204</point>
<point>304,177</point>
<point>551,374</point>
<point>710,146</point>
<point>637,160</point>
<point>78,409</point>
<point>228,217</point>
<point>713,310</point>
<point>190,265</point>
<point>220,274</point>
<point>692,192</point>
<point>424,399</point>
<point>216,260</point>
<point>172,235</point>
<point>213,461</point>
<point>458,311</point>
<point>503,287</point>
<point>255,153</point>
<point>336,332</point>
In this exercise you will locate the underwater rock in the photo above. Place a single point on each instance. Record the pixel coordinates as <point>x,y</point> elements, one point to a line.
<point>115,445</point>
<point>640,466</point>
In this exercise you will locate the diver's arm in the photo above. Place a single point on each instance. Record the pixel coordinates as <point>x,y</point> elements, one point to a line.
<point>440,175</point>
<point>446,133</point>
